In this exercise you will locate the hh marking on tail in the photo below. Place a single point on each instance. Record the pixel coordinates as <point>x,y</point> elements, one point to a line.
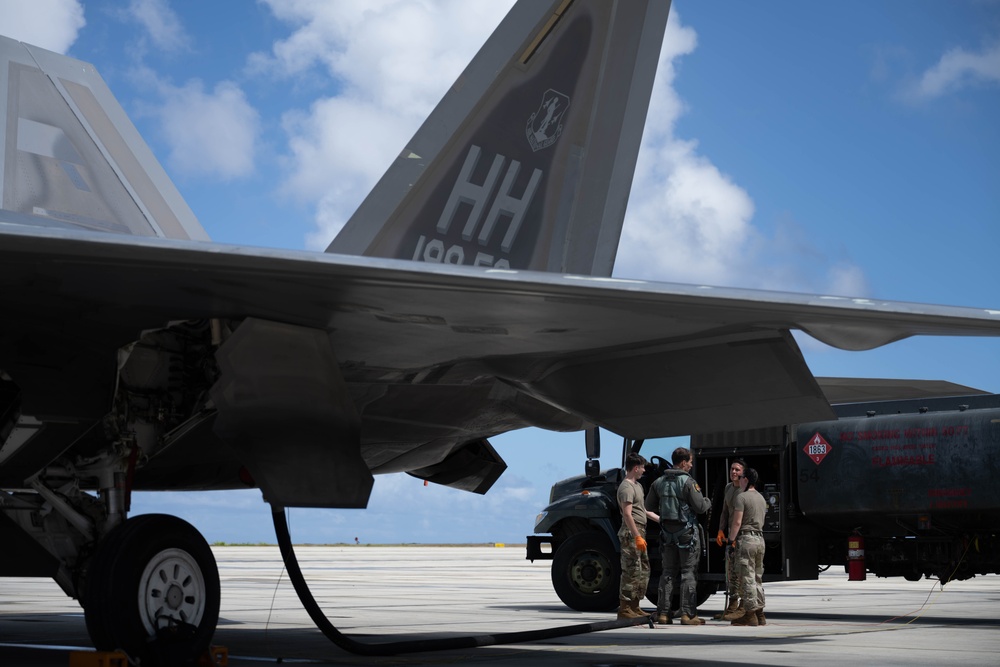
<point>505,206</point>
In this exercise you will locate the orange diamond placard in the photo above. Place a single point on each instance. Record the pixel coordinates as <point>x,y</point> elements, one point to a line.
<point>817,448</point>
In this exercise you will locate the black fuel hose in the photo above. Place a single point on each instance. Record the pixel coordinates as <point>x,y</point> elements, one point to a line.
<point>416,645</point>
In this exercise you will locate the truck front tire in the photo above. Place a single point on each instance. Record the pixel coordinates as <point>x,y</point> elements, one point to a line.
<point>586,572</point>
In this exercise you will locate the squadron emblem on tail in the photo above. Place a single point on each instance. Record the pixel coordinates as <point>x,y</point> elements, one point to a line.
<point>545,125</point>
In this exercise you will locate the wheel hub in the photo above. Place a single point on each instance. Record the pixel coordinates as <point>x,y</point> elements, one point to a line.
<point>174,597</point>
<point>588,573</point>
<point>171,590</point>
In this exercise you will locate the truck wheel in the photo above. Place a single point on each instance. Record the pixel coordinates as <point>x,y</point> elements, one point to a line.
<point>586,572</point>
<point>705,590</point>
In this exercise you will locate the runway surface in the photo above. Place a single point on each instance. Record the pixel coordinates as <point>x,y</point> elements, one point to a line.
<point>378,594</point>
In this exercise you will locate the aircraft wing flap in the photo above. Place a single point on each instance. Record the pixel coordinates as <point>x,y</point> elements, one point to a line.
<point>746,380</point>
<point>861,390</point>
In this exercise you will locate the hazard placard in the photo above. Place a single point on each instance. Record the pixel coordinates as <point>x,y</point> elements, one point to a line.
<point>817,448</point>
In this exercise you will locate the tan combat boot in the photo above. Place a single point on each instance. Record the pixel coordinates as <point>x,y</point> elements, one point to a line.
<point>663,618</point>
<point>691,620</point>
<point>636,608</point>
<point>734,614</point>
<point>734,604</point>
<point>625,610</point>
<point>760,617</point>
<point>749,619</point>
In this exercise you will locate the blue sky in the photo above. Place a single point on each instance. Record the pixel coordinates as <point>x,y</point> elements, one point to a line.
<point>849,148</point>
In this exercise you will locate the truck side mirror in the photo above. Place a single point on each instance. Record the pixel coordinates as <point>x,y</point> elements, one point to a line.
<point>593,439</point>
<point>592,436</point>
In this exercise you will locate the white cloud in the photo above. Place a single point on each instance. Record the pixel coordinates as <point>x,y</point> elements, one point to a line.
<point>210,133</point>
<point>50,24</point>
<point>689,222</point>
<point>847,279</point>
<point>392,61</point>
<point>338,154</point>
<point>959,69</point>
<point>161,23</point>
<point>686,220</point>
<point>401,54</point>
<point>338,151</point>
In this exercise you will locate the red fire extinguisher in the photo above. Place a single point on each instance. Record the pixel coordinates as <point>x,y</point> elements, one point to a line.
<point>856,557</point>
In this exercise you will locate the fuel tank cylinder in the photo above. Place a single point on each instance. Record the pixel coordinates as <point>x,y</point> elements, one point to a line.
<point>902,474</point>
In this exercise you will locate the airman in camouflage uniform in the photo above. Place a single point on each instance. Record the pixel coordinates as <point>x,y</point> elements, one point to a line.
<point>632,536</point>
<point>746,530</point>
<point>732,490</point>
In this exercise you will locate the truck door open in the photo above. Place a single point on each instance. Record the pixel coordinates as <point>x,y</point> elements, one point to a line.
<point>790,553</point>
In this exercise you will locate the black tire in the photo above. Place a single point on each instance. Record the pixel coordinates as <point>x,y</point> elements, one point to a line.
<point>705,590</point>
<point>586,572</point>
<point>149,570</point>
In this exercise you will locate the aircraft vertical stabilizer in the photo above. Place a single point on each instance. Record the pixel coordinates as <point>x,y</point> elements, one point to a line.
<point>71,159</point>
<point>527,162</point>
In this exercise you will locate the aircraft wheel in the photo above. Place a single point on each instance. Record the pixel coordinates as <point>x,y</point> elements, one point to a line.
<point>152,572</point>
<point>586,572</point>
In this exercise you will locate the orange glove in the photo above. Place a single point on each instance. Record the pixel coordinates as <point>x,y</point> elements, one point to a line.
<point>640,543</point>
<point>720,538</point>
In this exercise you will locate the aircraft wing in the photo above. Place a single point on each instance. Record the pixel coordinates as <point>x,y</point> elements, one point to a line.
<point>639,358</point>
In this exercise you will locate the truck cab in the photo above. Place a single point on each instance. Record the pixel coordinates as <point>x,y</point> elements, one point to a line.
<point>582,521</point>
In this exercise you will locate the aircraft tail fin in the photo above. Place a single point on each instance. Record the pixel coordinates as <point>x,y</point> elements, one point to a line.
<point>71,159</point>
<point>527,161</point>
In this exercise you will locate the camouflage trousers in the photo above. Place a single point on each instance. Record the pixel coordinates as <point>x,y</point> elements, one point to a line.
<point>732,582</point>
<point>635,566</point>
<point>680,570</point>
<point>750,570</point>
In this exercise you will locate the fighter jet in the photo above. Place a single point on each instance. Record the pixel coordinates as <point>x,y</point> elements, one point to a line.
<point>469,295</point>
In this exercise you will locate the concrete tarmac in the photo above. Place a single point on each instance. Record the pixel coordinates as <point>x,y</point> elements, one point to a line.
<point>379,594</point>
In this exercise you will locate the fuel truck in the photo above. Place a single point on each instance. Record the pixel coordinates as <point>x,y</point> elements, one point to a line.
<point>907,488</point>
